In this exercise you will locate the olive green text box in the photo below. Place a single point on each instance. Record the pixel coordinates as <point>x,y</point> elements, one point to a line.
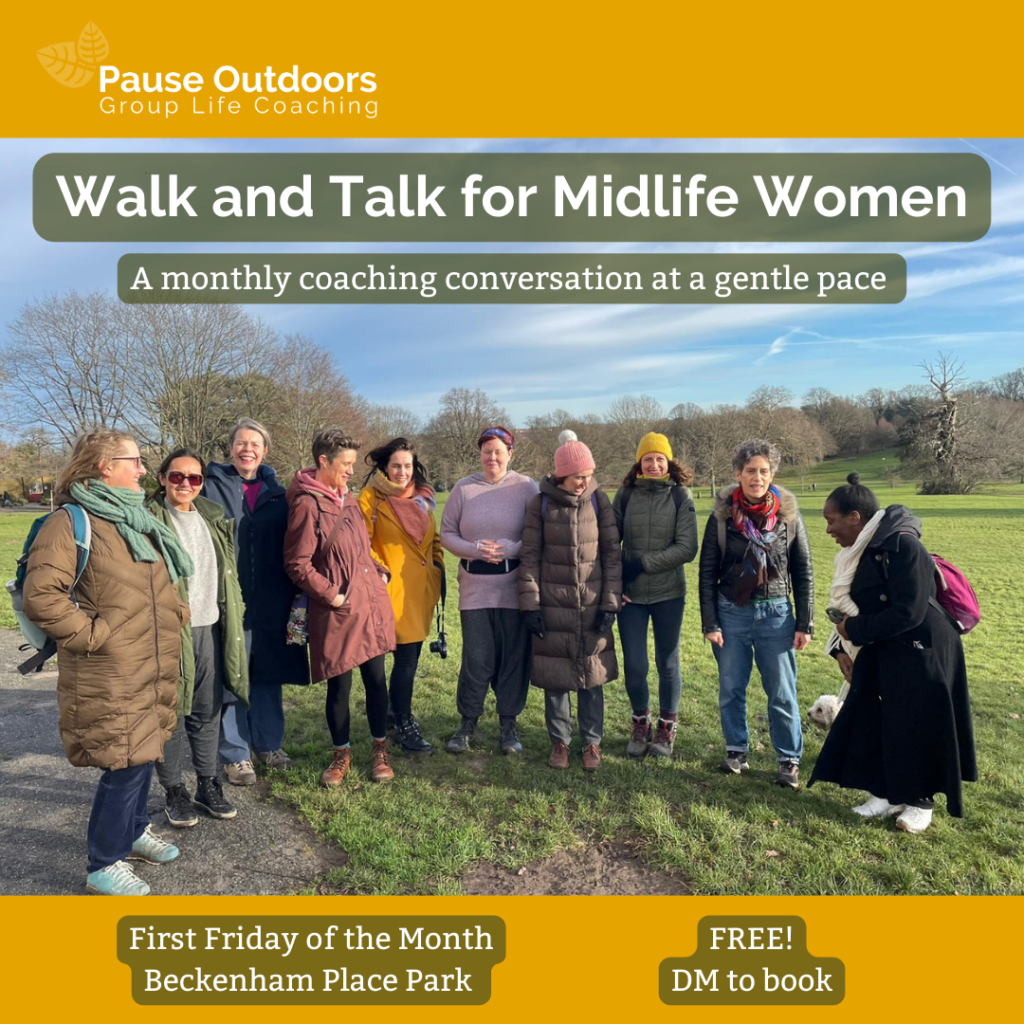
<point>752,961</point>
<point>400,961</point>
<point>435,278</point>
<point>511,197</point>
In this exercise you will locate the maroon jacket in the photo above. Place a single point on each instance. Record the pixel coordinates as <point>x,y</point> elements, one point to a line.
<point>364,626</point>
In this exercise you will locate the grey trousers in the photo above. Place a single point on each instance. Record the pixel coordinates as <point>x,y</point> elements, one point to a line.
<point>495,654</point>
<point>202,726</point>
<point>589,712</point>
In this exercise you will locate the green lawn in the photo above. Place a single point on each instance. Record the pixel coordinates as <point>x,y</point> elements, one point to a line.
<point>724,834</point>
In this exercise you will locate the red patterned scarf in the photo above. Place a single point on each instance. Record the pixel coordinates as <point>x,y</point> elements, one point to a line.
<point>757,522</point>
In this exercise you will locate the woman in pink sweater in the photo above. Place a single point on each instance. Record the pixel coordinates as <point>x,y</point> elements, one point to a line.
<point>482,526</point>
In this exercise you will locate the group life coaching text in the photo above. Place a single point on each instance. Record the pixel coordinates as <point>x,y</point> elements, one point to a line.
<point>658,198</point>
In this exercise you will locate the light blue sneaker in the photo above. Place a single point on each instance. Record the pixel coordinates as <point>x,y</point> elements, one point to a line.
<point>116,879</point>
<point>150,847</point>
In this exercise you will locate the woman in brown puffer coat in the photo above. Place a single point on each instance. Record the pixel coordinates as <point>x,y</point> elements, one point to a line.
<point>119,642</point>
<point>570,588</point>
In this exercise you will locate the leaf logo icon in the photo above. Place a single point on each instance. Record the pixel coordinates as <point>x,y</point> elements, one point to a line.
<point>74,64</point>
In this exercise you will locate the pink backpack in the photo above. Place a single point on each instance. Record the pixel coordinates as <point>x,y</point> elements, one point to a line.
<point>955,595</point>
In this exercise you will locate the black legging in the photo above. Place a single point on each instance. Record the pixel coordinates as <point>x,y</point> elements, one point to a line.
<point>338,689</point>
<point>403,672</point>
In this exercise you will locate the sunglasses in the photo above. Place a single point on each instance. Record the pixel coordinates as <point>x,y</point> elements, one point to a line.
<point>500,433</point>
<point>176,478</point>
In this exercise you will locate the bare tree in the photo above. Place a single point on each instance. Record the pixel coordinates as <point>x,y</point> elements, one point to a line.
<point>452,433</point>
<point>310,394</point>
<point>385,422</point>
<point>1008,385</point>
<point>67,365</point>
<point>763,405</point>
<point>191,365</point>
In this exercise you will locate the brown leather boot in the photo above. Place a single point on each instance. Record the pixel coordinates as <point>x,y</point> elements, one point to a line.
<point>380,762</point>
<point>335,775</point>
<point>559,756</point>
<point>591,757</point>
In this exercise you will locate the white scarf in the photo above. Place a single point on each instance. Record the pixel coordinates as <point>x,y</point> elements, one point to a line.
<point>847,561</point>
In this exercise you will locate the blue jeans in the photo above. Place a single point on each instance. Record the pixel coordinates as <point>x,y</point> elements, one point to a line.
<point>119,814</point>
<point>762,631</point>
<point>667,619</point>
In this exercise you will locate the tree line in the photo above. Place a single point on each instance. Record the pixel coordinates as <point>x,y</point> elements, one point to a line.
<point>181,375</point>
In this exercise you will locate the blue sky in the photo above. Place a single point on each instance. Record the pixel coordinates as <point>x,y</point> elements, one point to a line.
<point>965,298</point>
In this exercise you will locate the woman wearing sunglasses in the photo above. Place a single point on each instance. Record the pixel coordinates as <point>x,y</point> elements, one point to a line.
<point>482,526</point>
<point>213,645</point>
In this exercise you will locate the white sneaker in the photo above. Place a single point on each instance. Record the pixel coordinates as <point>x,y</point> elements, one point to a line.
<point>914,820</point>
<point>878,807</point>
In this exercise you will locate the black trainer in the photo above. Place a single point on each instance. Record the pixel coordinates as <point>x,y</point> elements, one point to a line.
<point>459,743</point>
<point>409,737</point>
<point>509,737</point>
<point>179,810</point>
<point>210,797</point>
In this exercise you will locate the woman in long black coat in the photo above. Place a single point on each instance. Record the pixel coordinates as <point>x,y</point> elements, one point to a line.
<point>248,491</point>
<point>904,732</point>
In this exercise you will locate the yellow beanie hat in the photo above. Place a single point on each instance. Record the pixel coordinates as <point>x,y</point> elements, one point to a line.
<point>653,442</point>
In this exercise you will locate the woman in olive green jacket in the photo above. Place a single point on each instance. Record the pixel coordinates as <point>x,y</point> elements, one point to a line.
<point>658,525</point>
<point>213,644</point>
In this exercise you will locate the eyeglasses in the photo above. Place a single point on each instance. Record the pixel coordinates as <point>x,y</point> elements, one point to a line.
<point>176,478</point>
<point>137,459</point>
<point>245,445</point>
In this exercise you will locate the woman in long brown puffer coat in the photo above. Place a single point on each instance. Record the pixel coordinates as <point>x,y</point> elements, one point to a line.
<point>118,634</point>
<point>570,588</point>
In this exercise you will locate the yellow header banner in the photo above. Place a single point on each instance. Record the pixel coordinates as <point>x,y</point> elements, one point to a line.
<point>121,71</point>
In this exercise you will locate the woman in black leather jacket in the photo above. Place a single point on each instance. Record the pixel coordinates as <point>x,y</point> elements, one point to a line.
<point>755,552</point>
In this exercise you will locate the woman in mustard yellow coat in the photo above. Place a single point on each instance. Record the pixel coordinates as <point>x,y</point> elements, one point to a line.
<point>399,510</point>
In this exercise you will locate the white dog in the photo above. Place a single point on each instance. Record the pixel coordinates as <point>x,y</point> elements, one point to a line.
<point>824,710</point>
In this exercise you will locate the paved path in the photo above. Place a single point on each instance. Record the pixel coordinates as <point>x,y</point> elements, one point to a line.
<point>45,803</point>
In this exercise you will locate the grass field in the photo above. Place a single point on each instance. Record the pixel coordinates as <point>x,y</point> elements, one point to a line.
<point>722,834</point>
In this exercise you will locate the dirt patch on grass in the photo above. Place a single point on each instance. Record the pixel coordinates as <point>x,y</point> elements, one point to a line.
<point>608,869</point>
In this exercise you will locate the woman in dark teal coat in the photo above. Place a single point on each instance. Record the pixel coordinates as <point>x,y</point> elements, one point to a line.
<point>658,525</point>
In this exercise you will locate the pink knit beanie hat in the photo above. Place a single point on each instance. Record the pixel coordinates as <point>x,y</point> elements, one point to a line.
<point>572,456</point>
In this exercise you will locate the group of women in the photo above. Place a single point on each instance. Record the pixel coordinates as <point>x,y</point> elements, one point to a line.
<point>185,620</point>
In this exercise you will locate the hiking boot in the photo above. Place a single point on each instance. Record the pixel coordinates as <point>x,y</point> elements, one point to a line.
<point>210,797</point>
<point>241,773</point>
<point>116,879</point>
<point>664,739</point>
<point>591,757</point>
<point>559,756</point>
<point>735,761</point>
<point>335,774</point>
<point>152,848</point>
<point>410,739</point>
<point>788,774</point>
<point>641,738</point>
<point>380,762</point>
<point>459,743</point>
<point>179,810</point>
<point>509,737</point>
<point>914,820</point>
<point>878,807</point>
<point>273,759</point>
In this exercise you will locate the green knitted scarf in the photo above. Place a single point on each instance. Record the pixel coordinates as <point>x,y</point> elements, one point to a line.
<point>124,508</point>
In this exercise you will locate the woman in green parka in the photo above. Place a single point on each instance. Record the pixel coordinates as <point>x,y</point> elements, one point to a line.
<point>658,525</point>
<point>213,644</point>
